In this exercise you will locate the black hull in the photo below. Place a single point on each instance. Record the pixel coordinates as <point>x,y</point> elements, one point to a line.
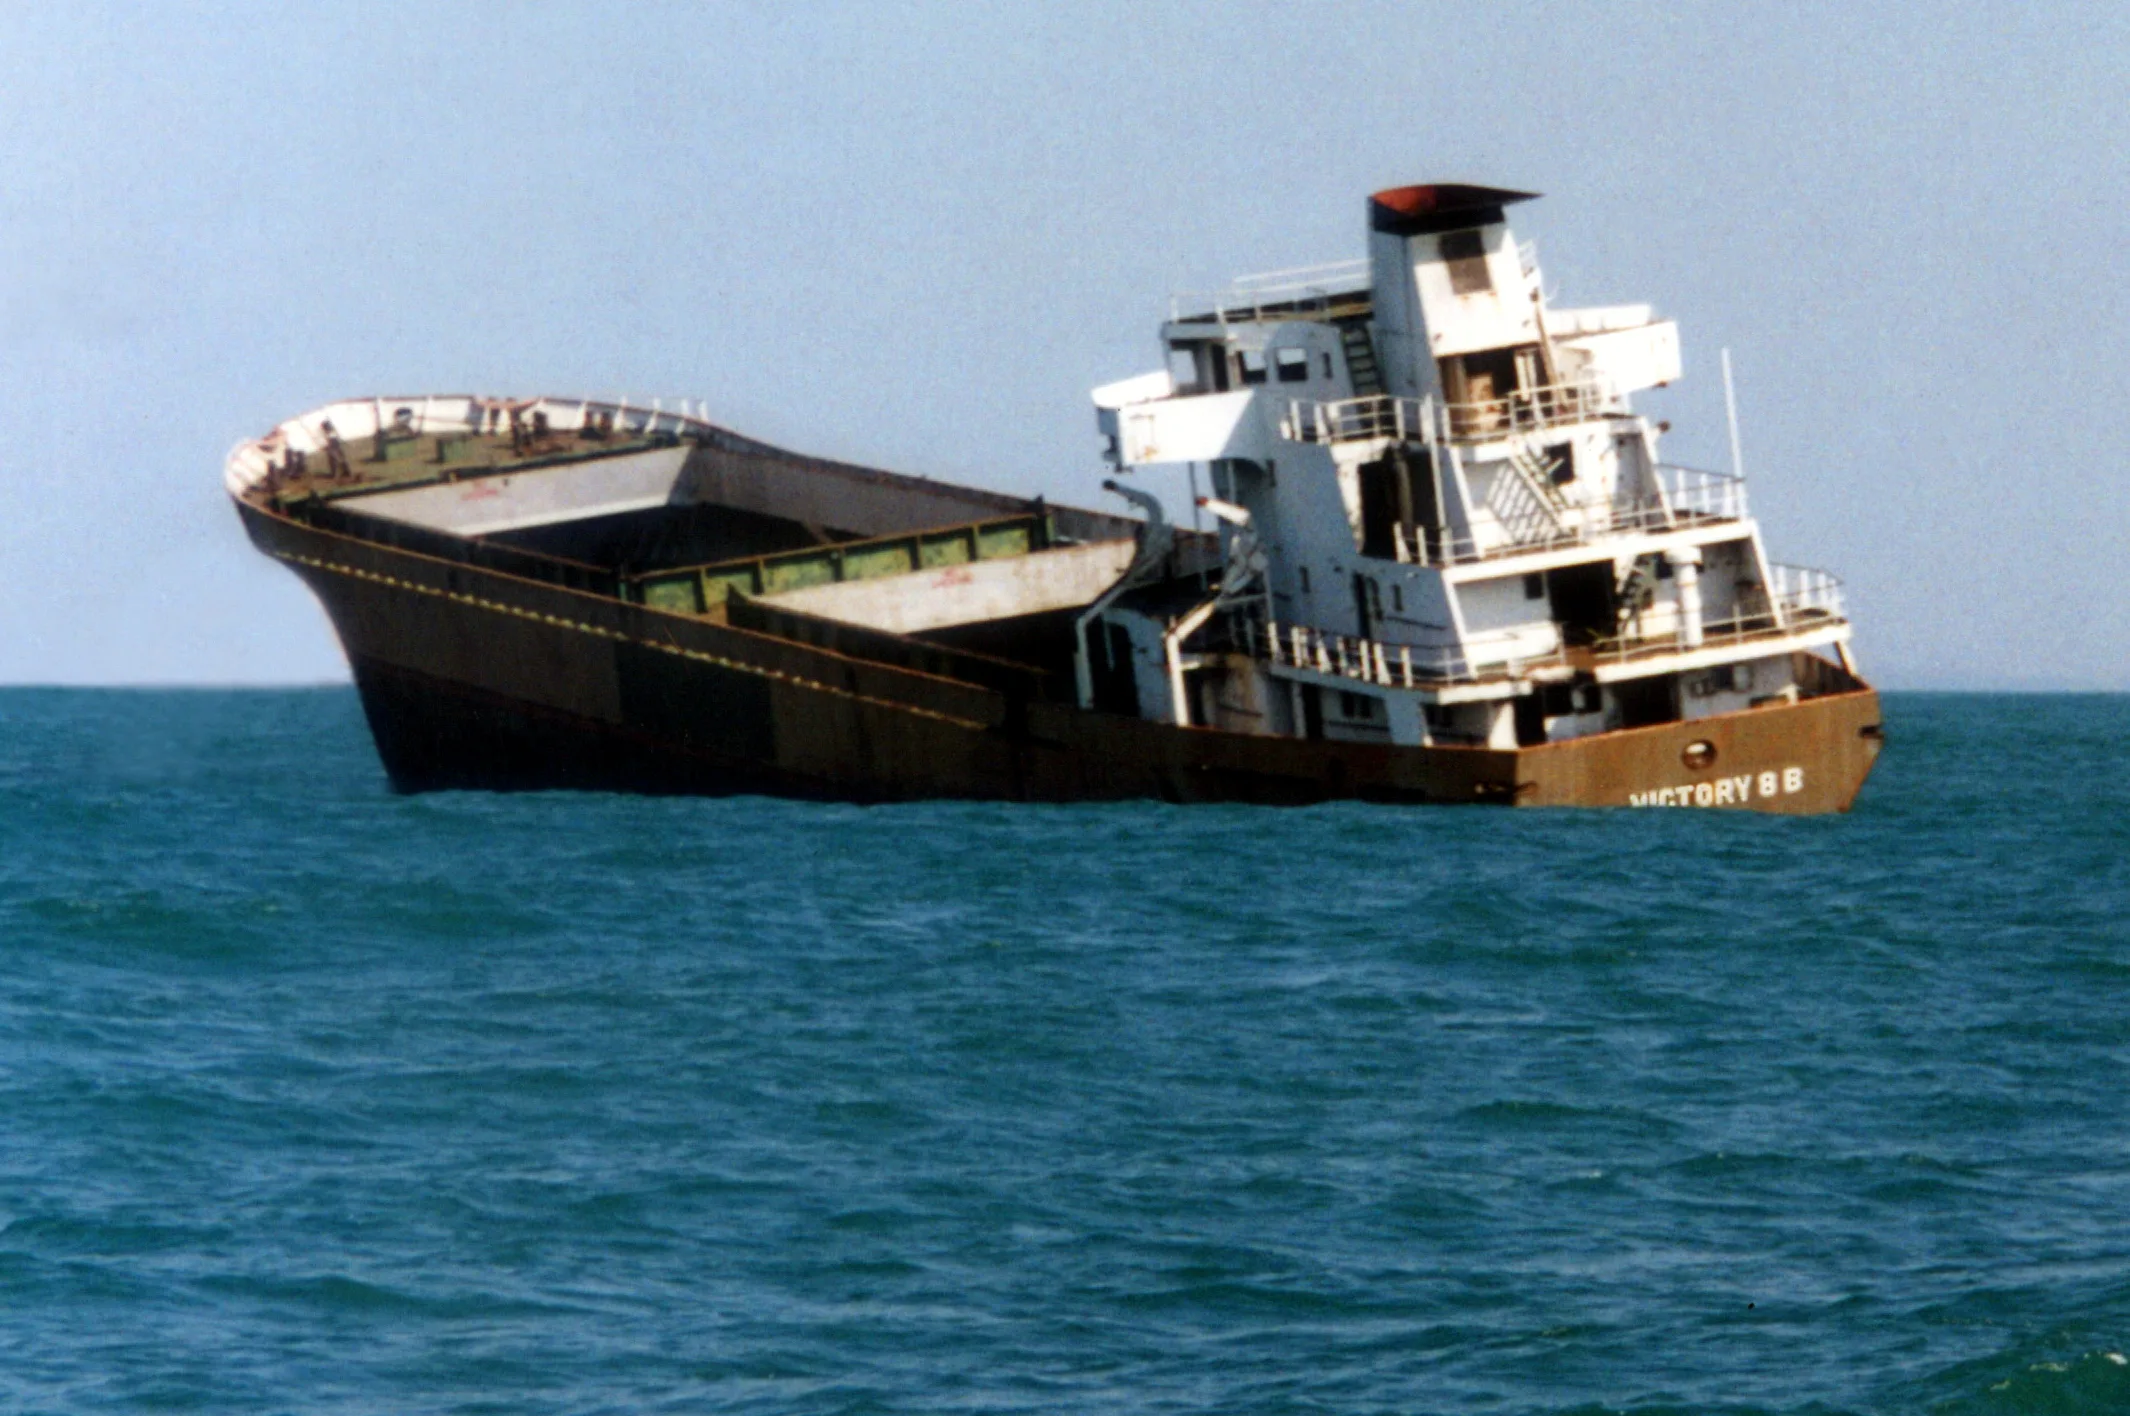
<point>435,735</point>
<point>473,677</point>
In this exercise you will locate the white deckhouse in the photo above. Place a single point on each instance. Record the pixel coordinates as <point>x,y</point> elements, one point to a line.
<point>1442,520</point>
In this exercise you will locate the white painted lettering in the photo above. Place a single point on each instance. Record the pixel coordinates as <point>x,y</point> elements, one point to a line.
<point>1724,791</point>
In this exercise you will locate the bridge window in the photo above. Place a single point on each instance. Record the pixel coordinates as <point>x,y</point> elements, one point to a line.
<point>1466,256</point>
<point>1293,364</point>
<point>1252,364</point>
<point>1183,368</point>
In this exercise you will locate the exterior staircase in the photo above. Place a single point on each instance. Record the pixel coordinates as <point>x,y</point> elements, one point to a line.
<point>1526,502</point>
<point>1360,351</point>
<point>1635,592</point>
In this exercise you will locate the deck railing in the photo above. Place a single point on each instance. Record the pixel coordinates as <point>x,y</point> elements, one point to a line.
<point>1282,292</point>
<point>1386,415</point>
<point>1683,495</point>
<point>1323,651</point>
<point>1528,410</point>
<point>1693,494</point>
<point>1803,593</point>
<point>1356,420</point>
<point>1797,599</point>
<point>360,428</point>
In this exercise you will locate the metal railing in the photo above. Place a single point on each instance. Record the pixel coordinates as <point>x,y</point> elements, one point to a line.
<point>1803,593</point>
<point>1693,494</point>
<point>1251,297</point>
<point>364,426</point>
<point>1686,496</point>
<point>1300,646</point>
<point>1797,599</point>
<point>1683,495</point>
<point>1386,415</point>
<point>1529,409</point>
<point>1356,420</point>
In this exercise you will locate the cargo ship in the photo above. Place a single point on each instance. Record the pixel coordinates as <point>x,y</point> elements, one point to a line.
<point>1435,557</point>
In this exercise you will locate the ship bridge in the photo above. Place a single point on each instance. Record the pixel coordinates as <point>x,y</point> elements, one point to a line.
<point>1451,492</point>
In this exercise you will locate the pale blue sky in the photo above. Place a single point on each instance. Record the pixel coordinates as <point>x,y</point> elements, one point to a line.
<point>916,235</point>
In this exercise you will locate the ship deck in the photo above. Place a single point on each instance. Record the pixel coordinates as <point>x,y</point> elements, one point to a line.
<point>402,461</point>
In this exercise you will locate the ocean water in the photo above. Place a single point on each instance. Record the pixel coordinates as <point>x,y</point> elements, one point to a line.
<point>318,1099</point>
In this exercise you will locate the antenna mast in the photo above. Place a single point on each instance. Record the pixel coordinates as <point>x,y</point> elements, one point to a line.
<point>1730,408</point>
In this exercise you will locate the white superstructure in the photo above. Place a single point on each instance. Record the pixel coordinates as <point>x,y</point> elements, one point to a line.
<point>1443,520</point>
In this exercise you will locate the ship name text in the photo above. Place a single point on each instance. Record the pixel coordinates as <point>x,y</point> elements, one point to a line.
<point>1726,791</point>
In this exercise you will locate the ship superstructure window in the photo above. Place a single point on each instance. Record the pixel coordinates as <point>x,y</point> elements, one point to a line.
<point>1357,706</point>
<point>1252,364</point>
<point>1477,386</point>
<point>1183,368</point>
<point>1561,463</point>
<point>1724,678</point>
<point>1293,365</point>
<point>1535,586</point>
<point>1466,256</point>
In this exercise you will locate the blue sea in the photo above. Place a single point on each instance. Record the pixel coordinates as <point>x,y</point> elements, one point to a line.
<point>321,1099</point>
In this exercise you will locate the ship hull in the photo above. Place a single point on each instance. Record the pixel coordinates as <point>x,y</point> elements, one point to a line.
<point>472,678</point>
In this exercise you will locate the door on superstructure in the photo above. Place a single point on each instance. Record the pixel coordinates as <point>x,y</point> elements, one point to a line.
<point>1115,681</point>
<point>1312,711</point>
<point>1399,520</point>
<point>1367,607</point>
<point>1583,603</point>
<point>1379,510</point>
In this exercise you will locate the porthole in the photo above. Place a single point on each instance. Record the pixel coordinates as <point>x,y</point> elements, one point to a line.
<point>1699,754</point>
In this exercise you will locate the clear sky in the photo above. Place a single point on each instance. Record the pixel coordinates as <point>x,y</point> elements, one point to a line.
<point>916,235</point>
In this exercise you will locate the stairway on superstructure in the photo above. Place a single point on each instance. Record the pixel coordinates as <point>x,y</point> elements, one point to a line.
<point>1530,505</point>
<point>1360,353</point>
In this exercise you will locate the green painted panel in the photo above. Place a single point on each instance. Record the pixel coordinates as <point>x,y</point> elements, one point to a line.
<point>798,573</point>
<point>1012,539</point>
<point>718,585</point>
<point>871,561</point>
<point>677,594</point>
<point>950,549</point>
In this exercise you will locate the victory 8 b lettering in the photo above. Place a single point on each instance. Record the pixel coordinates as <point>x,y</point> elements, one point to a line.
<point>1726,791</point>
